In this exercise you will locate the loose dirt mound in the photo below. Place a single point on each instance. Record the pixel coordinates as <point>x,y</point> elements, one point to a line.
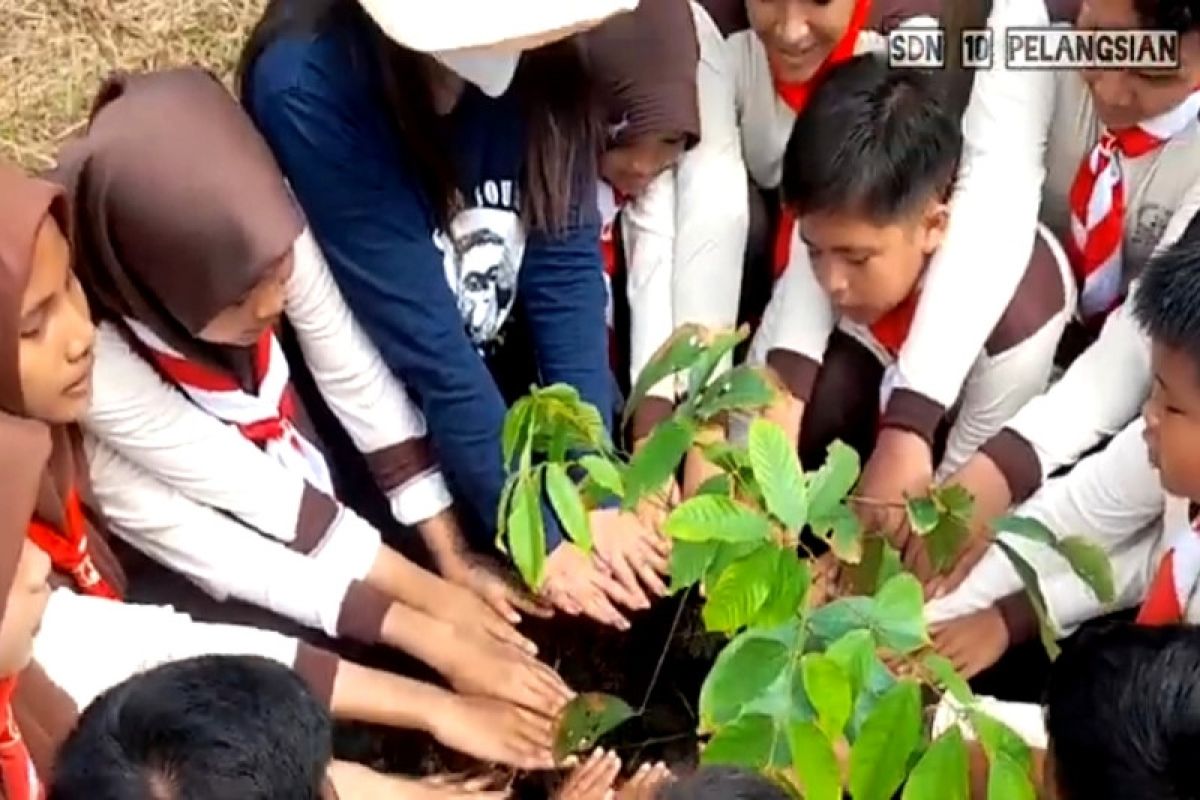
<point>54,53</point>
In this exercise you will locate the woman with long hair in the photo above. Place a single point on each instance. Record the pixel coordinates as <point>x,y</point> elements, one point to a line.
<point>444,201</point>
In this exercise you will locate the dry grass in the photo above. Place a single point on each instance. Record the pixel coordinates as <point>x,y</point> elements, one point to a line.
<point>54,53</point>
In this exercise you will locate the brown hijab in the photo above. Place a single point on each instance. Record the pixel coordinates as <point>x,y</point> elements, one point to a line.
<point>44,714</point>
<point>24,204</point>
<point>645,64</point>
<point>180,208</point>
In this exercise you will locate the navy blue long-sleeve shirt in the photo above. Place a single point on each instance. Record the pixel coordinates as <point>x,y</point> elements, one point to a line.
<point>428,311</point>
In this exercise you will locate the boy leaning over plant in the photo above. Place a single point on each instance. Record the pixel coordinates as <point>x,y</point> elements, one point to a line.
<point>869,171</point>
<point>1136,499</point>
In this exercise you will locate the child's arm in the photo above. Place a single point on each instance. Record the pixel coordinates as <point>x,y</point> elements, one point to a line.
<point>1111,498</point>
<point>649,237</point>
<point>712,203</point>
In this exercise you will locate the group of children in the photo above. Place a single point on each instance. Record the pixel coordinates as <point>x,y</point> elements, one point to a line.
<point>216,315</point>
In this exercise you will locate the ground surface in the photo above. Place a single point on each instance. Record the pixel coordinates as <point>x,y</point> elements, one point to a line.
<point>54,53</point>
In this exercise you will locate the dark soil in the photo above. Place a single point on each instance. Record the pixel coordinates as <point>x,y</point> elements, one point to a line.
<point>590,658</point>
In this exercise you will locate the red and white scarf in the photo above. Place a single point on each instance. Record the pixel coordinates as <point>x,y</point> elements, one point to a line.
<point>1174,582</point>
<point>17,771</point>
<point>1097,203</point>
<point>265,418</point>
<point>68,549</point>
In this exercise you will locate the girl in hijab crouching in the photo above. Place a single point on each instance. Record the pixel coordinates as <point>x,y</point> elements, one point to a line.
<point>192,249</point>
<point>87,639</point>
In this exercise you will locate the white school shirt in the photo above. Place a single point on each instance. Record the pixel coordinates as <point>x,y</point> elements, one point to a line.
<point>685,236</point>
<point>1106,386</point>
<point>150,422</point>
<point>998,384</point>
<point>984,253</point>
<point>88,645</point>
<point>1115,499</point>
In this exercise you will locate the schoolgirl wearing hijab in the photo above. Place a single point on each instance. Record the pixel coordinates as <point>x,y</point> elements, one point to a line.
<point>192,248</point>
<point>88,640</point>
<point>669,137</point>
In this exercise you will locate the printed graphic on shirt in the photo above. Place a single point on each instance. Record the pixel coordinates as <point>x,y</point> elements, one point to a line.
<point>481,257</point>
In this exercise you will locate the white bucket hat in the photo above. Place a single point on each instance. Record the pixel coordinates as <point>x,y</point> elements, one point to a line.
<point>482,40</point>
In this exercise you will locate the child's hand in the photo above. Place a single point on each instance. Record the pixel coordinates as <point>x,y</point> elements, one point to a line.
<point>575,584</point>
<point>634,555</point>
<point>646,782</point>
<point>972,553</point>
<point>480,667</point>
<point>974,642</point>
<point>470,613</point>
<point>593,779</point>
<point>495,731</point>
<point>495,585</point>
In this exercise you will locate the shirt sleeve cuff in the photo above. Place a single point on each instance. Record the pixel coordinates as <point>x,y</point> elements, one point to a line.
<point>421,498</point>
<point>1017,461</point>
<point>351,547</point>
<point>1020,620</point>
<point>362,613</point>
<point>798,372</point>
<point>649,413</point>
<point>909,411</point>
<point>318,668</point>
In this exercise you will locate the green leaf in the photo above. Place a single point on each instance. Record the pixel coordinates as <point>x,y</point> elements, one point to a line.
<point>726,554</point>
<point>900,615</point>
<point>561,419</point>
<point>526,531</point>
<point>829,485</point>
<point>946,540</point>
<point>815,762</point>
<point>720,346</point>
<point>1027,528</point>
<point>657,460</point>
<point>1033,590</point>
<point>516,433</point>
<point>834,620</point>
<point>711,517</point>
<point>727,457</point>
<point>923,515</point>
<point>879,757</point>
<point>743,388</point>
<point>879,681</point>
<point>948,677</point>
<point>843,531</point>
<point>746,742</point>
<point>741,591</point>
<point>585,719</point>
<point>502,512</point>
<point>689,560</point>
<point>679,352</point>
<point>717,484</point>
<point>789,589</point>
<point>853,653</point>
<point>777,471</point>
<point>1091,564</point>
<point>1010,764</point>
<point>943,773</point>
<point>564,498</point>
<point>743,672</point>
<point>955,501</point>
<point>603,473</point>
<point>829,690</point>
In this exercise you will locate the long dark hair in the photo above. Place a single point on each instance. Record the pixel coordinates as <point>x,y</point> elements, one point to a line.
<point>552,83</point>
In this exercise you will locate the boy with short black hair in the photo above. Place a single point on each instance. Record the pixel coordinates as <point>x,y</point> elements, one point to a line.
<point>869,171</point>
<point>215,726</point>
<point>1123,715</point>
